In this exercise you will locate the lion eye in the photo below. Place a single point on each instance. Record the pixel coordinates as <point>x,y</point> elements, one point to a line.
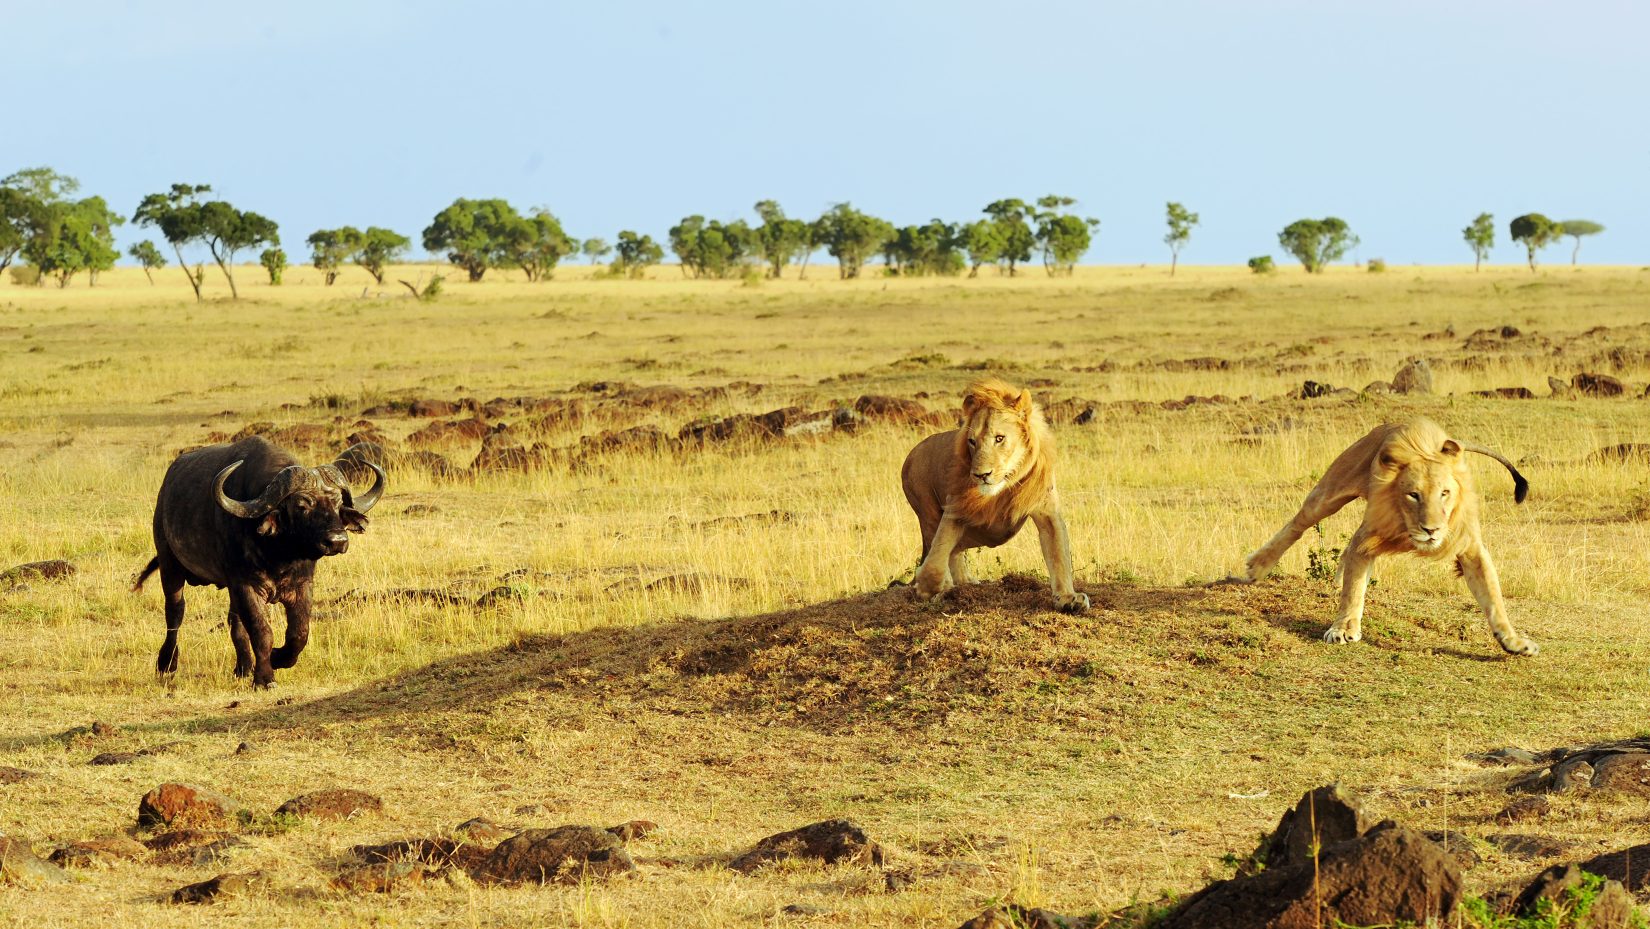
<point>1415,497</point>
<point>972,443</point>
<point>999,440</point>
<point>1444,492</point>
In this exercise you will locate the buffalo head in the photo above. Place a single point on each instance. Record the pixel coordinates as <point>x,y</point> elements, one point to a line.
<point>309,510</point>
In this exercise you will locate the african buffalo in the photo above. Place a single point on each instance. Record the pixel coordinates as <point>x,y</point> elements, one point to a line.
<point>248,517</point>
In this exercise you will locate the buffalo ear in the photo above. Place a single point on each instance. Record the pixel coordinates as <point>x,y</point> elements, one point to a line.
<point>269,525</point>
<point>1451,448</point>
<point>354,519</point>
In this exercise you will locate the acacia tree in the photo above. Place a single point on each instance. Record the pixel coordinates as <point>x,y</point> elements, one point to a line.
<point>635,254</point>
<point>1536,232</point>
<point>1316,242</point>
<point>1017,238</point>
<point>851,237</point>
<point>70,237</point>
<point>227,230</point>
<point>932,248</point>
<point>1576,228</point>
<point>475,234</point>
<point>149,257</point>
<point>711,249</point>
<point>1480,237</point>
<point>274,261</point>
<point>983,241</point>
<point>779,240</point>
<point>595,249</point>
<point>1181,221</point>
<point>178,215</point>
<point>1062,237</point>
<point>33,204</point>
<point>14,220</point>
<point>330,248</point>
<point>536,244</point>
<point>376,248</point>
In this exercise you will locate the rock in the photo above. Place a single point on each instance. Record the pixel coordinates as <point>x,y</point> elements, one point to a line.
<point>1630,866</point>
<point>1528,846</point>
<point>1571,775</point>
<point>803,909</point>
<point>102,851</point>
<point>19,866</point>
<point>104,730</point>
<point>421,509</point>
<point>54,570</point>
<point>429,408</point>
<point>1597,385</point>
<point>246,748</point>
<point>1612,908</point>
<point>1323,816</point>
<point>1014,916</point>
<point>832,841</point>
<point>442,854</point>
<point>1507,756</point>
<point>1559,388</point>
<point>481,831</point>
<point>353,462</point>
<point>879,408</point>
<point>501,452</point>
<point>567,854</point>
<point>1458,847</point>
<point>379,878</point>
<point>1311,390</point>
<point>180,846</point>
<point>108,758</point>
<point>15,775</point>
<point>219,852</point>
<point>185,804</point>
<point>1626,772</point>
<point>1391,874</point>
<point>1524,808</point>
<point>635,830</point>
<point>1506,393</point>
<point>1378,388</point>
<point>338,803</point>
<point>1414,377</point>
<point>224,885</point>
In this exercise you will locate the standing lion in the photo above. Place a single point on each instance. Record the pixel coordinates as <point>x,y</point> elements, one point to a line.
<point>976,486</point>
<point>1419,498</point>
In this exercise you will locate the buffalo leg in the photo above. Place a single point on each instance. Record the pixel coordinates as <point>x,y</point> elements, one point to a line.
<point>297,629</point>
<point>241,641</point>
<point>257,629</point>
<point>171,585</point>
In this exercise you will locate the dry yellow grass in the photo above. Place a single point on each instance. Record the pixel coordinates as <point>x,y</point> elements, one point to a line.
<point>1079,762</point>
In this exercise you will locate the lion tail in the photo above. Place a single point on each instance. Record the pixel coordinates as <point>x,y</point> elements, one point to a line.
<point>1521,487</point>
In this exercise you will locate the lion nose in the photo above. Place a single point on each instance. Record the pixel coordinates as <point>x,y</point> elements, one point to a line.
<point>982,475</point>
<point>1430,530</point>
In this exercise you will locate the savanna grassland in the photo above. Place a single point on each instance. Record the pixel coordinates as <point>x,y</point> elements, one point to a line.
<point>703,634</point>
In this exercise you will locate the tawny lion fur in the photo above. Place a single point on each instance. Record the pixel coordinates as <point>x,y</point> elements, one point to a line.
<point>976,487</point>
<point>1420,498</point>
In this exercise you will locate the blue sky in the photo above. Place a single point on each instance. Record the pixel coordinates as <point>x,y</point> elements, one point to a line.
<point>1404,118</point>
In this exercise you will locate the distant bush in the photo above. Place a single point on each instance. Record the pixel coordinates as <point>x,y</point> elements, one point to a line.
<point>24,275</point>
<point>1262,264</point>
<point>1377,265</point>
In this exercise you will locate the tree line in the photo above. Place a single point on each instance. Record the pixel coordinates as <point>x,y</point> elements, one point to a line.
<point>56,236</point>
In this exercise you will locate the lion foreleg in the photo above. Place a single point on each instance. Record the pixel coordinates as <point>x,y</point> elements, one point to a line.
<point>1320,504</point>
<point>934,576</point>
<point>959,568</point>
<point>1056,544</point>
<point>1479,572</point>
<point>1355,564</point>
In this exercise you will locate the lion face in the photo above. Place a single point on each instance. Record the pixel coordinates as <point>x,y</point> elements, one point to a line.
<point>996,447</point>
<point>1426,493</point>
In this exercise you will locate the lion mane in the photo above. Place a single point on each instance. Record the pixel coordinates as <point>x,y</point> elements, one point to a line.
<point>1030,488</point>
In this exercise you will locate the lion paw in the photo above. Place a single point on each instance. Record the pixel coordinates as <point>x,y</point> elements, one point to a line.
<point>1519,645</point>
<point>927,587</point>
<point>1075,603</point>
<point>1339,636</point>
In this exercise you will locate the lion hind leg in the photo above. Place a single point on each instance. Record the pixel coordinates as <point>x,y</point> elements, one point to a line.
<point>1354,572</point>
<point>1320,504</point>
<point>1478,569</point>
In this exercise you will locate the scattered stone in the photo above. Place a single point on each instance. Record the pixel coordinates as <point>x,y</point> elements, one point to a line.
<point>1323,817</point>
<point>219,852</point>
<point>109,758</point>
<point>1312,390</point>
<point>1560,389</point>
<point>1626,772</point>
<point>421,509</point>
<point>338,803</point>
<point>246,748</point>
<point>1506,756</point>
<point>501,452</point>
<point>1630,866</point>
<point>104,730</point>
<point>181,845</point>
<point>1458,847</point>
<point>1414,377</point>
<point>481,831</point>
<point>1014,916</point>
<point>15,775</point>
<point>54,570</point>
<point>1528,846</point>
<point>379,878</point>
<point>634,831</point>
<point>224,885</point>
<point>1638,452</point>
<point>1571,775</point>
<point>832,841</point>
<point>567,854</point>
<point>1597,385</point>
<point>441,854</point>
<point>429,408</point>
<point>185,804</point>
<point>1389,875</point>
<point>101,851</point>
<point>895,880</point>
<point>1379,388</point>
<point>803,909</point>
<point>20,866</point>
<point>1524,808</point>
<point>1611,909</point>
<point>1506,393</point>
